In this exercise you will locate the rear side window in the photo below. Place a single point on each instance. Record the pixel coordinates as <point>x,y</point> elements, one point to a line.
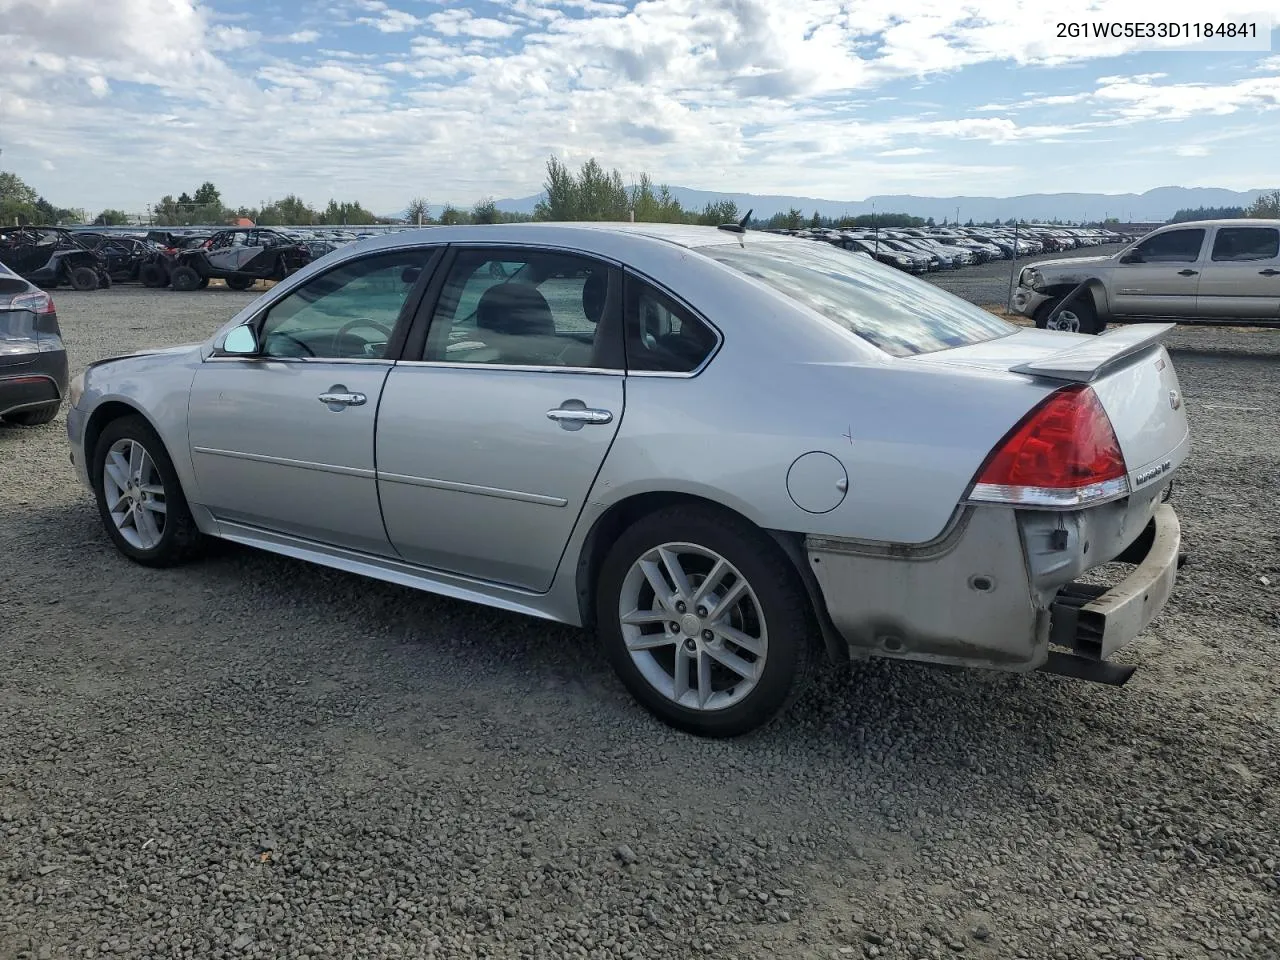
<point>901,316</point>
<point>663,336</point>
<point>1246,243</point>
<point>1176,246</point>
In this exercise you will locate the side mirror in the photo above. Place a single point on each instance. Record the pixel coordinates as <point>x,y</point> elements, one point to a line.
<point>241,342</point>
<point>1132,257</point>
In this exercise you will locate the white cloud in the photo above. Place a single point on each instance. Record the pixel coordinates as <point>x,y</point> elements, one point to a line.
<point>1192,150</point>
<point>457,22</point>
<point>233,38</point>
<point>905,152</point>
<point>389,20</point>
<point>302,36</point>
<point>98,86</point>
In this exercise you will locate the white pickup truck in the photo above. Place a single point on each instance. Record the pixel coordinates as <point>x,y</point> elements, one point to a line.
<point>1208,271</point>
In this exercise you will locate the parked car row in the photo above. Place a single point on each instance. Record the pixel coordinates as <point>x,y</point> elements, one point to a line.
<point>925,249</point>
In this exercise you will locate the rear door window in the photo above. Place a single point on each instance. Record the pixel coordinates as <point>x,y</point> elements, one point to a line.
<point>1243,244</point>
<point>901,316</point>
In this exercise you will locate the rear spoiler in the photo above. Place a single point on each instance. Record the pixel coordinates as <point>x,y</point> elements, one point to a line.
<point>1085,362</point>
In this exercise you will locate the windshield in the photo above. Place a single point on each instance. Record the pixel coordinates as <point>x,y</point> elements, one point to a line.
<point>901,316</point>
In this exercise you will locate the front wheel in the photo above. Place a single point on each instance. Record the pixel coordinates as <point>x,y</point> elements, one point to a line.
<point>153,275</point>
<point>139,495</point>
<point>184,278</point>
<point>1078,316</point>
<point>240,283</point>
<point>705,621</point>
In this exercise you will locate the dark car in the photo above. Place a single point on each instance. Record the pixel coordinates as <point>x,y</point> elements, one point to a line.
<point>124,257</point>
<point>240,257</point>
<point>33,361</point>
<point>48,256</point>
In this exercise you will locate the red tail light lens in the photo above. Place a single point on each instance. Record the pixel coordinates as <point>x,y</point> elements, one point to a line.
<point>35,302</point>
<point>1064,453</point>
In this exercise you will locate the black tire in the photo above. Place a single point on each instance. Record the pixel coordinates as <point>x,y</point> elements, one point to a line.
<point>83,278</point>
<point>204,283</point>
<point>180,539</point>
<point>184,278</point>
<point>1081,308</point>
<point>240,283</point>
<point>783,606</point>
<point>153,275</point>
<point>33,418</point>
<point>104,281</point>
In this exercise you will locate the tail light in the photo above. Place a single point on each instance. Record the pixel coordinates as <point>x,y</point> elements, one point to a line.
<point>1064,453</point>
<point>39,302</point>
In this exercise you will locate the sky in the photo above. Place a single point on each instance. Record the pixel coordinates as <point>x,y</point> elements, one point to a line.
<point>114,103</point>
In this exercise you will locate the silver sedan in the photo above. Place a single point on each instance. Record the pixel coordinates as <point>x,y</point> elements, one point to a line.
<point>733,455</point>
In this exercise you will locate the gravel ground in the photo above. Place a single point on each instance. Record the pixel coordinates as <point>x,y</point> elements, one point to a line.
<point>252,757</point>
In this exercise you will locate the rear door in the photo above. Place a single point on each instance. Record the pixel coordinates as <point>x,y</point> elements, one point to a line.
<point>1241,279</point>
<point>1160,276</point>
<point>489,442</point>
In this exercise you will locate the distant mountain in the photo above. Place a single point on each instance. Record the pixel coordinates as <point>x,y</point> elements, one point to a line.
<point>1155,205</point>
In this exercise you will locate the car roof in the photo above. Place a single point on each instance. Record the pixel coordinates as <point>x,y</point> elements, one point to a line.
<point>1229,222</point>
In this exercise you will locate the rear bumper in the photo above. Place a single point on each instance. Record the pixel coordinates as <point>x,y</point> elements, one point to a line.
<point>1095,621</point>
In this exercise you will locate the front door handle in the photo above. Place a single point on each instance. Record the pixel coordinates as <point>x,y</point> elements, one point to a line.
<point>1187,273</point>
<point>1268,272</point>
<point>580,415</point>
<point>338,397</point>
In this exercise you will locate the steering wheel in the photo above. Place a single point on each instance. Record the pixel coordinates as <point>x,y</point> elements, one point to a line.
<point>351,325</point>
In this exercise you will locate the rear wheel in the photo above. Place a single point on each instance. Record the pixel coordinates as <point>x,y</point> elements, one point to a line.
<point>33,418</point>
<point>705,621</point>
<point>83,279</point>
<point>139,495</point>
<point>240,283</point>
<point>1078,316</point>
<point>184,278</point>
<point>153,275</point>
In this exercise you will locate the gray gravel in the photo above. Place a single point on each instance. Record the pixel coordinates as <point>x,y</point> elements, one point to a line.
<point>252,757</point>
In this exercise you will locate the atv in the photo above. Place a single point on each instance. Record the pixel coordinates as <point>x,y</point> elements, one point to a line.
<point>124,256</point>
<point>240,257</point>
<point>48,256</point>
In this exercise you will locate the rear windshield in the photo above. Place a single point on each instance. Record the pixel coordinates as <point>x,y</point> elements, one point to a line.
<point>896,313</point>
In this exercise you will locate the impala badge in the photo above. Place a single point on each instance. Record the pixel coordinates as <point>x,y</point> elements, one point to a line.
<point>1175,400</point>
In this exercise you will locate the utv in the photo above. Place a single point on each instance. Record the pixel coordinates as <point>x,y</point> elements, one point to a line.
<point>240,257</point>
<point>155,270</point>
<point>124,257</point>
<point>48,256</point>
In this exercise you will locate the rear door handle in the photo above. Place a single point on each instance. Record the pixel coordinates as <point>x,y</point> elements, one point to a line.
<point>342,399</point>
<point>1187,273</point>
<point>571,416</point>
<point>1268,272</point>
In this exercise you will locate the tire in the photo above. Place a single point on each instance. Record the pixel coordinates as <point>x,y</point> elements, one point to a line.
<point>83,279</point>
<point>240,283</point>
<point>184,278</point>
<point>104,281</point>
<point>177,538</point>
<point>153,275</point>
<point>33,418</point>
<point>204,283</point>
<point>774,609</point>
<point>1079,316</point>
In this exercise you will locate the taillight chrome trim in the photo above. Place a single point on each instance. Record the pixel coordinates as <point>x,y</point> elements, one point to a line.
<point>1063,498</point>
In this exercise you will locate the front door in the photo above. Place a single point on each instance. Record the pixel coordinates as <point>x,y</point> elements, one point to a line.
<point>1159,276</point>
<point>1241,280</point>
<point>488,446</point>
<point>284,440</point>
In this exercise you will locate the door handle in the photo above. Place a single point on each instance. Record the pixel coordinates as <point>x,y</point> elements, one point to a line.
<point>337,399</point>
<point>1268,272</point>
<point>1187,273</point>
<point>579,415</point>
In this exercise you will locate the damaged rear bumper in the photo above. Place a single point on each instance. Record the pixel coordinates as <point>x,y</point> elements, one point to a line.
<point>999,589</point>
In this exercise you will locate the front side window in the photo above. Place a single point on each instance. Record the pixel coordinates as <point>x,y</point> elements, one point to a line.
<point>527,308</point>
<point>1176,246</point>
<point>899,315</point>
<point>348,312</point>
<point>1236,244</point>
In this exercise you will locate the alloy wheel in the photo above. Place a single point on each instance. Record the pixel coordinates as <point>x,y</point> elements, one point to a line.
<point>693,626</point>
<point>1067,321</point>
<point>134,494</point>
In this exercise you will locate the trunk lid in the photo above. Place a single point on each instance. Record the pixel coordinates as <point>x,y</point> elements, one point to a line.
<point>1128,369</point>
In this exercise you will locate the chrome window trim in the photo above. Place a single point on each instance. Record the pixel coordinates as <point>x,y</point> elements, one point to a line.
<point>513,367</point>
<point>371,361</point>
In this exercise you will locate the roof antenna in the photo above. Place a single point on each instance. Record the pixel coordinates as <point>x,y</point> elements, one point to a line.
<point>739,228</point>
